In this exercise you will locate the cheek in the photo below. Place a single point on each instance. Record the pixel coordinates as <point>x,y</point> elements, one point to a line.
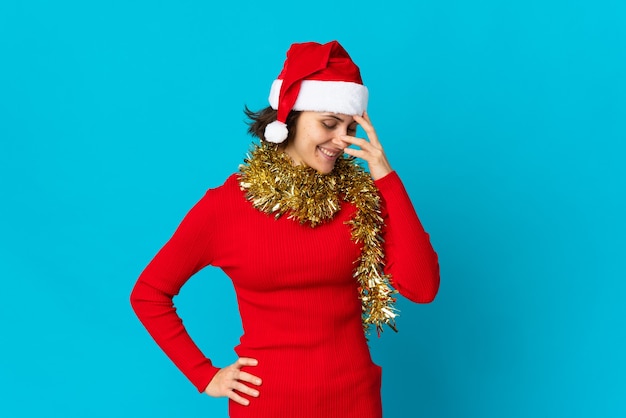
<point>320,135</point>
<point>310,138</point>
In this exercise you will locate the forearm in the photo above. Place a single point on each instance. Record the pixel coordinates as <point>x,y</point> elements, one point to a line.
<point>410,258</point>
<point>156,311</point>
<point>187,251</point>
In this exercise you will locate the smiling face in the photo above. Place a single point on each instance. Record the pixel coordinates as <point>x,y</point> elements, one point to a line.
<point>313,144</point>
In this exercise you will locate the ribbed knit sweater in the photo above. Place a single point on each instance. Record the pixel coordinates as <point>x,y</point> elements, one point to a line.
<point>297,297</point>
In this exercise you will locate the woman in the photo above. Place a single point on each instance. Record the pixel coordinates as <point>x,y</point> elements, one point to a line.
<point>312,243</point>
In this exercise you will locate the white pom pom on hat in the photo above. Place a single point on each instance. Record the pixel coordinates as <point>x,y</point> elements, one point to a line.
<point>276,132</point>
<point>315,77</point>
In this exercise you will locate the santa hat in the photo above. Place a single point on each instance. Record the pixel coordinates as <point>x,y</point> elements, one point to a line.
<point>315,77</point>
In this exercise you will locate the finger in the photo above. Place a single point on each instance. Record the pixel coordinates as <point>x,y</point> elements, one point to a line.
<point>366,116</point>
<point>246,361</point>
<point>340,143</point>
<point>250,378</point>
<point>353,140</point>
<point>371,154</point>
<point>235,397</point>
<point>241,388</point>
<point>356,153</point>
<point>366,124</point>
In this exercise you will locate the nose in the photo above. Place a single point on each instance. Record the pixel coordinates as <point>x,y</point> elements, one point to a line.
<point>340,143</point>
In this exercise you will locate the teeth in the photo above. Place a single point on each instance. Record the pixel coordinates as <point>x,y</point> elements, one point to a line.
<point>326,152</point>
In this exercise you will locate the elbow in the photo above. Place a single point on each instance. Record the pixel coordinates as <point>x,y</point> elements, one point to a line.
<point>430,293</point>
<point>140,301</point>
<point>147,300</point>
<point>424,289</point>
<point>431,279</point>
<point>434,281</point>
<point>135,298</point>
<point>140,297</point>
<point>427,293</point>
<point>421,296</point>
<point>431,288</point>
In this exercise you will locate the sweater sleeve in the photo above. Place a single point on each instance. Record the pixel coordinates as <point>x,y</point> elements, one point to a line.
<point>182,256</point>
<point>409,256</point>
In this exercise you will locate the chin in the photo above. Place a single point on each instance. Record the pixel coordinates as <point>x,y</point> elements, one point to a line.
<point>323,168</point>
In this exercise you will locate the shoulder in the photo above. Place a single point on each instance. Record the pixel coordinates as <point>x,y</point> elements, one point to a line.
<point>229,188</point>
<point>223,195</point>
<point>214,202</point>
<point>230,181</point>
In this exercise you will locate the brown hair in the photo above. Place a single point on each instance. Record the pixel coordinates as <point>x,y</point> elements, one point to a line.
<point>257,121</point>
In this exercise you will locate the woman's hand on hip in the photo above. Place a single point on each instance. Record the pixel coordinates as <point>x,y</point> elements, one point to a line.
<point>231,380</point>
<point>370,151</point>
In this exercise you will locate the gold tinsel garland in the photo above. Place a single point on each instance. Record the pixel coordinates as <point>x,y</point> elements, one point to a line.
<point>275,186</point>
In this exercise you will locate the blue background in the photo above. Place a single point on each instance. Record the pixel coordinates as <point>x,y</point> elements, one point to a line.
<point>506,121</point>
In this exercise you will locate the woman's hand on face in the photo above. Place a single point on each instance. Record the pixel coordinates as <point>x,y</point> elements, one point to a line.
<point>229,380</point>
<point>370,151</point>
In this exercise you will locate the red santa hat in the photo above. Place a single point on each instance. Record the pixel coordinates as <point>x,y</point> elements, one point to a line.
<point>315,77</point>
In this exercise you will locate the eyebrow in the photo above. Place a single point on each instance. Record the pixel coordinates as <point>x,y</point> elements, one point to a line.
<point>332,115</point>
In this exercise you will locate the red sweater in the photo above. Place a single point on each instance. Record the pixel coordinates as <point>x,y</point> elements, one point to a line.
<point>298,300</point>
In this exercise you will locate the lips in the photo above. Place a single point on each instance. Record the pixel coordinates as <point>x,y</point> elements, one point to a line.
<point>328,152</point>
